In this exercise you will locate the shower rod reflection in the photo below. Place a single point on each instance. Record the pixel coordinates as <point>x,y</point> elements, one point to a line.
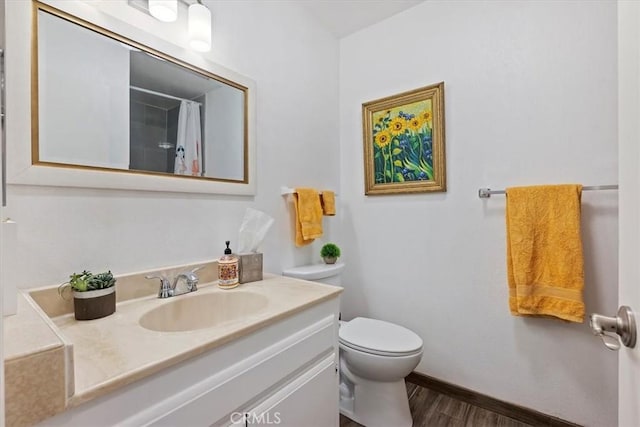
<point>163,95</point>
<point>485,193</point>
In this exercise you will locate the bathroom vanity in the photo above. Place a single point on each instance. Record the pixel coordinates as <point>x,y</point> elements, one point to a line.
<point>264,353</point>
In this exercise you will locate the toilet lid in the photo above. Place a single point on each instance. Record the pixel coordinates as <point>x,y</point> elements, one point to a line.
<point>377,336</point>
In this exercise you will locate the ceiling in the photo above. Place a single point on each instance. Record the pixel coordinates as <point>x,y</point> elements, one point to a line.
<point>343,17</point>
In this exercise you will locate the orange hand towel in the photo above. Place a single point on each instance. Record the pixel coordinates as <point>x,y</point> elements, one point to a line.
<point>544,251</point>
<point>328,200</point>
<point>308,215</point>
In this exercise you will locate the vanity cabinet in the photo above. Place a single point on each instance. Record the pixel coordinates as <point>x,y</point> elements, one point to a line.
<point>286,370</point>
<point>307,401</point>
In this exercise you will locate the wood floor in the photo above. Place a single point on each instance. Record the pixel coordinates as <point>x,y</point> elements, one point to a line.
<point>432,409</point>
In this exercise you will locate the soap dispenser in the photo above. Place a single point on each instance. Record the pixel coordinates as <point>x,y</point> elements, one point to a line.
<point>228,269</point>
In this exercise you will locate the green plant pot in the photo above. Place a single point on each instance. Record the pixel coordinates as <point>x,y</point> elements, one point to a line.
<point>91,305</point>
<point>330,259</point>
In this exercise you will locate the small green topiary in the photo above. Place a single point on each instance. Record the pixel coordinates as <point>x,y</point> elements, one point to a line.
<point>330,250</point>
<point>101,281</point>
<point>86,281</point>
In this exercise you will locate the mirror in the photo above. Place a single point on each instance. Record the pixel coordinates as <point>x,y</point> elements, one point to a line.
<point>102,101</point>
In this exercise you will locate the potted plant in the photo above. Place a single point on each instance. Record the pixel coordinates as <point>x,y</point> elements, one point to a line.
<point>94,295</point>
<point>330,252</point>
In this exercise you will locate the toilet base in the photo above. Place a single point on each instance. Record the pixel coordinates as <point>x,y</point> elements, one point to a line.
<point>378,404</point>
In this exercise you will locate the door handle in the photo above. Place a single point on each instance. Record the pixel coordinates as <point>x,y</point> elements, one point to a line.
<point>623,325</point>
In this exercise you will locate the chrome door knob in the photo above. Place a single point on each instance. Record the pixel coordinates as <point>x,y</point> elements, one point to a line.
<point>623,325</point>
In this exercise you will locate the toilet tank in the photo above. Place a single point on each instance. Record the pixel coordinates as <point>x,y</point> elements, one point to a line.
<point>329,274</point>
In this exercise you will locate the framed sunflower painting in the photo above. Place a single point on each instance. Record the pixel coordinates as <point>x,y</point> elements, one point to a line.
<point>404,142</point>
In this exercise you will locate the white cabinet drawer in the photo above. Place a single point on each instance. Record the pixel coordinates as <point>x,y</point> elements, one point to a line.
<point>311,400</point>
<point>210,400</point>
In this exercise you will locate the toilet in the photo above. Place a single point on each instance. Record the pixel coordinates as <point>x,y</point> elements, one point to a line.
<point>375,357</point>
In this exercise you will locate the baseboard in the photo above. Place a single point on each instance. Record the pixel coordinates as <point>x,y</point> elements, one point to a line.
<point>520,413</point>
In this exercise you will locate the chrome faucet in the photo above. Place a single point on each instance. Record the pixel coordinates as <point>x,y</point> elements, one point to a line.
<point>191,279</point>
<point>168,290</point>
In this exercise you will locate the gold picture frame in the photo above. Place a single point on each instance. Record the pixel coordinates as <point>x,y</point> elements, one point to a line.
<point>404,142</point>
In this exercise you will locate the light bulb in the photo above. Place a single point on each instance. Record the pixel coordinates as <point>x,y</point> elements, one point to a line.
<point>164,10</point>
<point>199,28</point>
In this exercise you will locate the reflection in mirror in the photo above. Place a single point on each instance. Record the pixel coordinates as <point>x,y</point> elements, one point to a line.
<point>105,102</point>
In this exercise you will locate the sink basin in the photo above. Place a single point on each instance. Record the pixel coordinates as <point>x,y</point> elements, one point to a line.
<point>203,311</point>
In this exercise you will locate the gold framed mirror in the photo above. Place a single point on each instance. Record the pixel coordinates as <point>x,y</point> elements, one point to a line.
<point>104,102</point>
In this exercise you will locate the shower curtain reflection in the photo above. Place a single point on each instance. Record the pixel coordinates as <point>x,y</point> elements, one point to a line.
<point>188,159</point>
<point>154,129</point>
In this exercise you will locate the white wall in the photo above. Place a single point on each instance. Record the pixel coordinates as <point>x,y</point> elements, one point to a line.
<point>62,230</point>
<point>83,96</point>
<point>530,98</point>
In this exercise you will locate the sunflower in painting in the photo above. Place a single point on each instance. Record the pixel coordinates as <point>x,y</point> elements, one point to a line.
<point>426,116</point>
<point>415,124</point>
<point>397,126</point>
<point>383,138</point>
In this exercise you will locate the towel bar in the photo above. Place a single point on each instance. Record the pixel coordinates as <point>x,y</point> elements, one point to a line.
<point>287,190</point>
<point>485,193</point>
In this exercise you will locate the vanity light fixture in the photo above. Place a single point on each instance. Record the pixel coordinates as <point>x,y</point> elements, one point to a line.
<point>199,27</point>
<point>198,18</point>
<point>164,10</point>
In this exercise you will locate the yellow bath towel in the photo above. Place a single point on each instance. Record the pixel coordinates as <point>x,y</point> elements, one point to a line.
<point>544,251</point>
<point>308,215</point>
<point>328,199</point>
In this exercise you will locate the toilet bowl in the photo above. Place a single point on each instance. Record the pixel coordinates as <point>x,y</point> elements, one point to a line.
<point>375,357</point>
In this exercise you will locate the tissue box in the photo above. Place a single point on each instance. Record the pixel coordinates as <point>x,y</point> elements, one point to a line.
<point>250,267</point>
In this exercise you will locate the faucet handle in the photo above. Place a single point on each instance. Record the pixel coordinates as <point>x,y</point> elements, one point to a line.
<point>165,286</point>
<point>193,278</point>
<point>161,276</point>
<point>190,278</point>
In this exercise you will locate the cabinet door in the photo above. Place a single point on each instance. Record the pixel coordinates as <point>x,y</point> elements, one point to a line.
<point>310,400</point>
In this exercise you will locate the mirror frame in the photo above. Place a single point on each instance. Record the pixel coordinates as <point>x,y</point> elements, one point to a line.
<point>24,165</point>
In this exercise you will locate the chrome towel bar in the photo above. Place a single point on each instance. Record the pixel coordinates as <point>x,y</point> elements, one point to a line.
<point>485,193</point>
<point>285,191</point>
